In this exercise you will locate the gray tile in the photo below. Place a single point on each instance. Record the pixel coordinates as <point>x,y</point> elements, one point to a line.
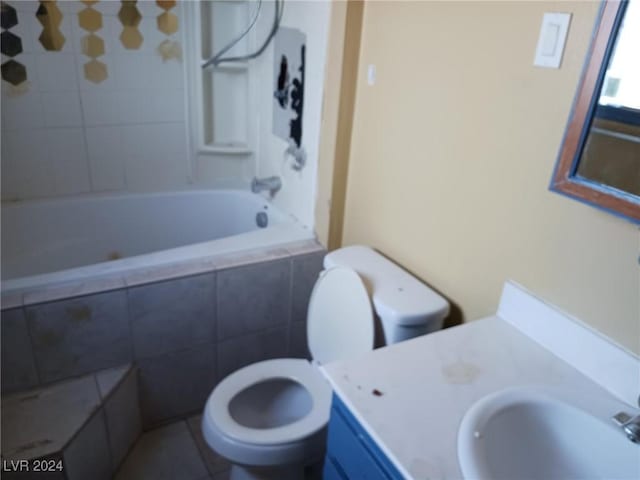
<point>81,335</point>
<point>18,366</point>
<point>173,315</point>
<point>87,456</point>
<point>176,384</point>
<point>167,453</point>
<point>122,413</point>
<point>253,298</point>
<point>298,345</point>
<point>306,269</point>
<point>109,378</point>
<point>302,247</point>
<point>240,351</point>
<point>215,463</point>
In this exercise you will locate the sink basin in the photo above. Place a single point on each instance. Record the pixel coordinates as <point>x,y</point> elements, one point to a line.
<point>535,433</point>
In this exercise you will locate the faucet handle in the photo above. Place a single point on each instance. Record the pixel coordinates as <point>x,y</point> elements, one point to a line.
<point>630,425</point>
<point>621,418</point>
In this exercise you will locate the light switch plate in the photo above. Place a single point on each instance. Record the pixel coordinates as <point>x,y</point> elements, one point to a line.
<point>553,35</point>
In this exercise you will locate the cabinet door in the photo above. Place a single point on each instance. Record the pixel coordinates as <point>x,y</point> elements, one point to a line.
<point>352,451</point>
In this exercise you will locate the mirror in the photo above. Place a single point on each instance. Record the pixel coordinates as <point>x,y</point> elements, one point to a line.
<point>599,161</point>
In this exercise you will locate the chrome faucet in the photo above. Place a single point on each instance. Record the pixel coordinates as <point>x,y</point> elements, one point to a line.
<point>272,184</point>
<point>630,425</point>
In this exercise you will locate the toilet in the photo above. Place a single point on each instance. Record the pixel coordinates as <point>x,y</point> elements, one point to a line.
<point>269,418</point>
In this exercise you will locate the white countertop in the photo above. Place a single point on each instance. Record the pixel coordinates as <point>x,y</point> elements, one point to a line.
<point>429,383</point>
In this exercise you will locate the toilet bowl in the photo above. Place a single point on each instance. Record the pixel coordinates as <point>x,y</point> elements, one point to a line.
<point>268,415</point>
<point>269,418</point>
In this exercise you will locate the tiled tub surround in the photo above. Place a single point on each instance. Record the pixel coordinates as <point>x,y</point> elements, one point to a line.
<point>184,333</point>
<point>89,423</point>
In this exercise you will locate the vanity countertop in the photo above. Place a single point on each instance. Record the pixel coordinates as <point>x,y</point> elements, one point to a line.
<point>411,396</point>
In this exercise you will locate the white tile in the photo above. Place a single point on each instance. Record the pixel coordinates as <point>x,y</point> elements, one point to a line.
<point>106,158</point>
<point>26,6</point>
<point>68,159</point>
<point>155,156</point>
<point>108,8</point>
<point>62,109</point>
<point>100,108</point>
<point>132,70</point>
<point>133,107</point>
<point>56,72</point>
<point>26,164</point>
<point>166,74</point>
<point>162,105</point>
<point>21,111</point>
<point>148,8</point>
<point>70,8</point>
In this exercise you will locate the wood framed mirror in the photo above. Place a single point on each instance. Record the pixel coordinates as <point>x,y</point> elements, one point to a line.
<point>599,159</point>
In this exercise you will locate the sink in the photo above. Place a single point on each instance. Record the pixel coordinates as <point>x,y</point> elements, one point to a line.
<point>538,433</point>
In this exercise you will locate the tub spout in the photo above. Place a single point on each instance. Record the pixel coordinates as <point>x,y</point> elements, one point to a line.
<point>272,184</point>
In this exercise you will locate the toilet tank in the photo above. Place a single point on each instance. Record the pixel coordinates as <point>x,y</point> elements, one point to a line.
<point>407,307</point>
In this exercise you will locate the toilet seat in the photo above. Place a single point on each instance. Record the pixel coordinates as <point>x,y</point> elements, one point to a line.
<point>301,371</point>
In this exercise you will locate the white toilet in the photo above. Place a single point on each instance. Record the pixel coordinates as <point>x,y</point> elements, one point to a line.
<point>269,418</point>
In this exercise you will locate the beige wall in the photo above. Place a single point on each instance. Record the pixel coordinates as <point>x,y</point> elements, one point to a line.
<point>452,153</point>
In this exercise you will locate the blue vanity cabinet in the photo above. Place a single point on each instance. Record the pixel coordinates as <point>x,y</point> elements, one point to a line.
<point>351,452</point>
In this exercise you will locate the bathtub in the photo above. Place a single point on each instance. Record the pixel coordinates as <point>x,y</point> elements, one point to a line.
<point>100,242</point>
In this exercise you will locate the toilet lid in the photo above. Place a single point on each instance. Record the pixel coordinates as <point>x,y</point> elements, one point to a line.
<point>340,318</point>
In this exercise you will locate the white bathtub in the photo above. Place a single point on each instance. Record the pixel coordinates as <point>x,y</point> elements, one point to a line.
<point>49,243</point>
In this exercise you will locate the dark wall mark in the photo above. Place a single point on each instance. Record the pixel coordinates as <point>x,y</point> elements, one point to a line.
<point>282,90</point>
<point>297,101</point>
<point>289,65</point>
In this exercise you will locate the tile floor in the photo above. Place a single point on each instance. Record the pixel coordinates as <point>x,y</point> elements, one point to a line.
<point>174,451</point>
<point>178,452</point>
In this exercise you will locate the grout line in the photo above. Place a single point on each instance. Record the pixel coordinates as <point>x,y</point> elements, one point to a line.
<point>290,309</point>
<point>134,359</point>
<point>196,444</point>
<point>36,364</point>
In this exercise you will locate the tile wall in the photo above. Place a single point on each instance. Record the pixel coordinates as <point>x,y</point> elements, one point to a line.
<point>184,334</point>
<point>105,112</point>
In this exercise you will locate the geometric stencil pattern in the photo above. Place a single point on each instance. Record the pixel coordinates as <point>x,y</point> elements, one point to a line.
<point>130,18</point>
<point>11,44</point>
<point>168,24</point>
<point>50,17</point>
<point>92,45</point>
<point>12,71</point>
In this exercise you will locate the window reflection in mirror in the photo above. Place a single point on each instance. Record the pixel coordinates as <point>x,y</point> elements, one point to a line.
<point>611,155</point>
